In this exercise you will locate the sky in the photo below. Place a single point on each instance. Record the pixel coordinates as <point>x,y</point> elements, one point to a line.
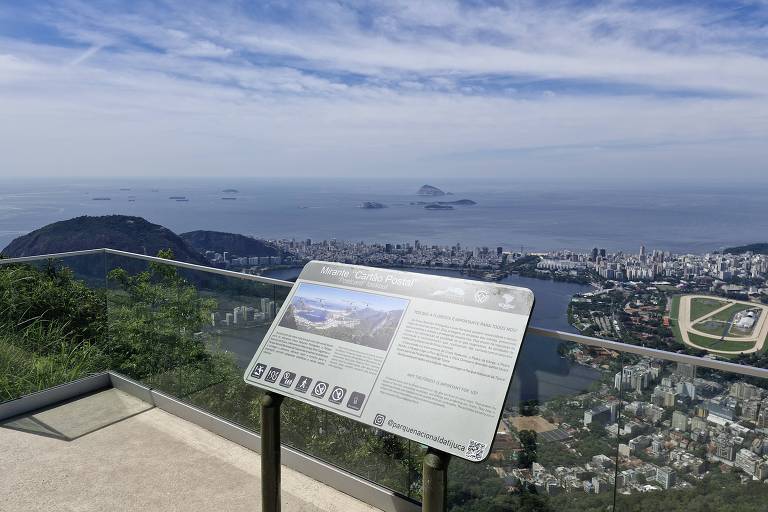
<point>608,92</point>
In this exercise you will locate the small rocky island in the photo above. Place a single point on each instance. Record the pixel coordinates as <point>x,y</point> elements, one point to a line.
<point>459,202</point>
<point>372,205</point>
<point>438,206</point>
<point>429,190</point>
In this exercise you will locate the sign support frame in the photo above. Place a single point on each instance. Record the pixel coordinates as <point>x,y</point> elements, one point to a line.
<point>434,468</point>
<point>434,491</point>
<point>270,451</point>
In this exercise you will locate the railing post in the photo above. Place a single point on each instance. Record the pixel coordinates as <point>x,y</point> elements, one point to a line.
<point>435,481</point>
<point>270,452</point>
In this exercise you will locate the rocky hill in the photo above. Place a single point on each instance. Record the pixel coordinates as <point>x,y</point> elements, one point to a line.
<point>760,248</point>
<point>232,243</point>
<point>429,190</point>
<point>121,232</point>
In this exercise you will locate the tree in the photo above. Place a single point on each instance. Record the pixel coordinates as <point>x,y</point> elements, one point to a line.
<point>156,321</point>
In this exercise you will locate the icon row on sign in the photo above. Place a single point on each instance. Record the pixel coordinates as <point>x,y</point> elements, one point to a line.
<point>303,385</point>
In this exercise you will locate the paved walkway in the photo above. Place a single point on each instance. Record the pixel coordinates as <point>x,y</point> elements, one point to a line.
<point>113,452</point>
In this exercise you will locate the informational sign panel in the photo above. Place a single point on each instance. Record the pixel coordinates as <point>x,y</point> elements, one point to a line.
<point>426,357</point>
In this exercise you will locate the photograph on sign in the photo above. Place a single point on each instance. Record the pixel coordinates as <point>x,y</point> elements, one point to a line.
<point>346,315</point>
<point>429,358</point>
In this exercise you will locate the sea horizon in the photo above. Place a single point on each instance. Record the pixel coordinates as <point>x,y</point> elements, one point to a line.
<point>570,216</point>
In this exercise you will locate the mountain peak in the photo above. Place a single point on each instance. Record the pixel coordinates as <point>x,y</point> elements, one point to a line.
<point>121,232</point>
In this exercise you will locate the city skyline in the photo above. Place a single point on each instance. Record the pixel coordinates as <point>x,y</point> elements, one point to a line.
<point>568,91</point>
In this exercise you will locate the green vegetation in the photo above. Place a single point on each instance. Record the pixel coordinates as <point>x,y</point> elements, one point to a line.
<point>716,492</point>
<point>701,307</point>
<point>228,242</point>
<point>759,248</point>
<point>714,344</point>
<point>726,314</point>
<point>50,327</point>
<point>713,327</point>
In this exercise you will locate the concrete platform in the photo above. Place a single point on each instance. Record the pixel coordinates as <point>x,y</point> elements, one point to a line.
<point>112,451</point>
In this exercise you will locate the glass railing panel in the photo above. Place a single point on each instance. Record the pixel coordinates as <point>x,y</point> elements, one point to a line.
<point>52,323</point>
<point>692,438</point>
<point>189,333</point>
<point>373,454</point>
<point>555,447</point>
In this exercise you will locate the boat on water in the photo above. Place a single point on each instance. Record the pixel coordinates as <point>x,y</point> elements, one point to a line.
<point>182,200</point>
<point>229,199</point>
<point>101,198</point>
<point>177,197</point>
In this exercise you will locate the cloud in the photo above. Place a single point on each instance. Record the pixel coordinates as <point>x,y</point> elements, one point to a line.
<point>87,54</point>
<point>431,86</point>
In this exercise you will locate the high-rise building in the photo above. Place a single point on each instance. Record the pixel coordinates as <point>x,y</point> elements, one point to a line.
<point>751,409</point>
<point>725,447</point>
<point>680,421</point>
<point>744,391</point>
<point>747,461</point>
<point>665,476</point>
<point>686,370</point>
<point>698,424</point>
<point>762,415</point>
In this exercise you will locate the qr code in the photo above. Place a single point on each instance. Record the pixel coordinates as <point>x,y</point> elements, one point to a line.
<point>475,450</point>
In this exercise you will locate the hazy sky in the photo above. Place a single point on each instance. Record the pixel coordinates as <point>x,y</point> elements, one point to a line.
<point>614,91</point>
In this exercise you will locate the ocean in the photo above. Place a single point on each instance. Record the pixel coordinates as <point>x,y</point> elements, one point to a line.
<point>680,218</point>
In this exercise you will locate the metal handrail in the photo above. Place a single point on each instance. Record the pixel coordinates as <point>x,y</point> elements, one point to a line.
<point>201,268</point>
<point>617,346</point>
<point>26,259</point>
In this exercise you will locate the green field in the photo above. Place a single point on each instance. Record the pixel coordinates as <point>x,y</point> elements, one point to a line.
<point>700,307</point>
<point>711,327</point>
<point>713,344</point>
<point>726,314</point>
<point>735,333</point>
<point>674,310</point>
<point>674,307</point>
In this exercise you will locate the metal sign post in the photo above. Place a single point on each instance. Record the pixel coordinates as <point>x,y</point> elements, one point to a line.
<point>270,452</point>
<point>435,481</point>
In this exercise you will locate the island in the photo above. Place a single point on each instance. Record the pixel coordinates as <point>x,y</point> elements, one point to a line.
<point>436,206</point>
<point>460,202</point>
<point>230,191</point>
<point>372,205</point>
<point>429,190</point>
